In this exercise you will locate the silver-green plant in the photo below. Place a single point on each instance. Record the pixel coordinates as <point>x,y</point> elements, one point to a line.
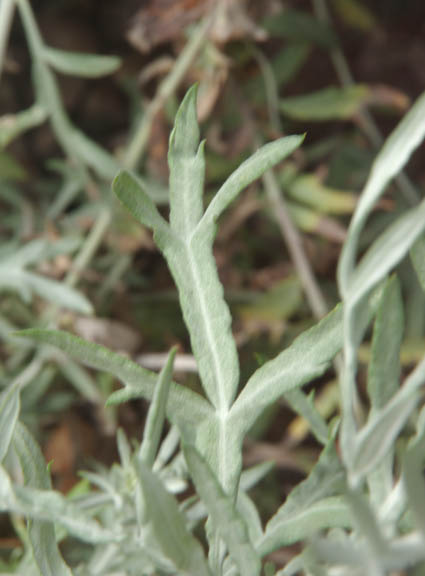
<point>371,517</point>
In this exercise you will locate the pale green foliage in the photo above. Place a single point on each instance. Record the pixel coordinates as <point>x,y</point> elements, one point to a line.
<point>372,521</point>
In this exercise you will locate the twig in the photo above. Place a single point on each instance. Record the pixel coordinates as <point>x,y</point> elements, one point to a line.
<point>366,120</point>
<point>167,87</point>
<point>277,202</point>
<point>89,247</point>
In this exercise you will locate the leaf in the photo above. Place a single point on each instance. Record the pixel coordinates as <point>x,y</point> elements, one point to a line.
<point>326,104</point>
<point>184,406</point>
<point>9,413</point>
<point>377,437</point>
<point>187,169</point>
<point>391,159</point>
<point>155,419</point>
<point>169,527</point>
<point>187,247</point>
<point>308,189</point>
<point>309,507</point>
<point>42,535</point>
<point>304,406</point>
<point>413,479</point>
<point>226,520</point>
<point>39,502</point>
<point>384,375</point>
<point>417,256</point>
<point>384,367</point>
<point>56,292</point>
<point>266,157</point>
<point>309,356</point>
<point>387,251</point>
<point>80,63</point>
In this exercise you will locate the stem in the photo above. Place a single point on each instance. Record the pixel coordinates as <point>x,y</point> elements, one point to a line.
<point>294,244</point>
<point>167,87</point>
<point>89,247</point>
<point>7,8</point>
<point>366,120</point>
<point>288,230</point>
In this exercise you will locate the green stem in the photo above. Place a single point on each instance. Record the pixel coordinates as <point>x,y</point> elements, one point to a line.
<point>7,8</point>
<point>89,247</point>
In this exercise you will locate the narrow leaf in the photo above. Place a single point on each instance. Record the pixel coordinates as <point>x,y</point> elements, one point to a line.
<point>308,357</point>
<point>187,168</point>
<point>169,526</point>
<point>42,534</point>
<point>155,420</point>
<point>132,195</point>
<point>56,292</point>
<point>266,157</point>
<point>326,104</point>
<point>378,436</point>
<point>226,520</point>
<point>384,367</point>
<point>184,406</point>
<point>304,406</point>
<point>384,375</point>
<point>80,63</point>
<point>308,507</point>
<point>9,412</point>
<point>386,252</point>
<point>390,160</point>
<point>417,256</point>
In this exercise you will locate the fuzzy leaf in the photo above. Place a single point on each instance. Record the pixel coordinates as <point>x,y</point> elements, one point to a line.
<point>9,412</point>
<point>155,419</point>
<point>308,357</point>
<point>169,526</point>
<point>266,157</point>
<point>391,159</point>
<point>377,437</point>
<point>183,406</point>
<point>226,520</point>
<point>386,252</point>
<point>417,256</point>
<point>309,507</point>
<point>42,534</point>
<point>384,374</point>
